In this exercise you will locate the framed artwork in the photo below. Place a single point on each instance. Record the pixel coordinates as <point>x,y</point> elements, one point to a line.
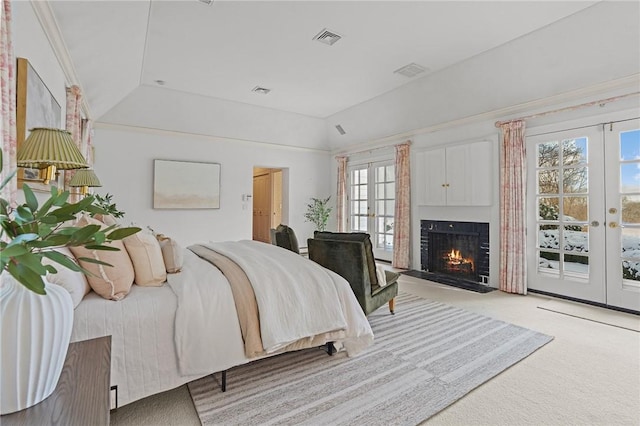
<point>35,107</point>
<point>186,185</point>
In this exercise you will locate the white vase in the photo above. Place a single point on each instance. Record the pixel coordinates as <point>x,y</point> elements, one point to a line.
<point>35,333</point>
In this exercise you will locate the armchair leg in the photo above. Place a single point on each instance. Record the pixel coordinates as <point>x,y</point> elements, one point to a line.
<point>392,306</point>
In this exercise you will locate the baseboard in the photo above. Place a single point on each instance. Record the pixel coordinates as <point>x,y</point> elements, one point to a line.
<point>587,302</point>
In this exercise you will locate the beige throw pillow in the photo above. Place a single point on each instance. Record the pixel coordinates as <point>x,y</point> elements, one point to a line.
<point>172,254</point>
<point>111,282</point>
<point>74,282</point>
<point>146,257</point>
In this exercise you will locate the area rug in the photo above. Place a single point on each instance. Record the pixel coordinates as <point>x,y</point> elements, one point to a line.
<point>425,357</point>
<point>593,313</point>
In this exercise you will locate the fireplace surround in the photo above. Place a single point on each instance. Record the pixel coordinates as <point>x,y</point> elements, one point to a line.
<point>455,253</point>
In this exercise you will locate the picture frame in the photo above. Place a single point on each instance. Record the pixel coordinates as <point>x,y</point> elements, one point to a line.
<point>186,185</point>
<point>35,107</point>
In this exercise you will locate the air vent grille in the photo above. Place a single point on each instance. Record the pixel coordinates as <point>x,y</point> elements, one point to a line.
<point>411,70</point>
<point>327,37</point>
<point>206,1</point>
<point>261,90</point>
<point>340,129</point>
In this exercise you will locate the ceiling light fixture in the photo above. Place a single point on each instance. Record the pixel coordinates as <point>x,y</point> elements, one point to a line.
<point>327,37</point>
<point>261,90</point>
<point>411,70</point>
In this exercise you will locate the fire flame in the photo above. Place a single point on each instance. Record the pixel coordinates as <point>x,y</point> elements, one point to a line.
<point>455,255</point>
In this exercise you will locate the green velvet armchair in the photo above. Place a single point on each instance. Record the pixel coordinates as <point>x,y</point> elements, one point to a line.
<point>284,237</point>
<point>350,255</point>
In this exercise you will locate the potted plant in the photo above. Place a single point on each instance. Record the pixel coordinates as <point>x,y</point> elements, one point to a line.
<point>37,317</point>
<point>318,212</point>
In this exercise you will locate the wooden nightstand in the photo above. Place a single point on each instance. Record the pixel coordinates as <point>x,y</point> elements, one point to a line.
<point>82,394</point>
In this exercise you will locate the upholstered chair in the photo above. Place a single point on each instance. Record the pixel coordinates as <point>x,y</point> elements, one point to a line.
<point>286,238</point>
<point>350,255</point>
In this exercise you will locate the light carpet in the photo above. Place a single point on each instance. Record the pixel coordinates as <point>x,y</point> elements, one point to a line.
<point>424,358</point>
<point>593,313</point>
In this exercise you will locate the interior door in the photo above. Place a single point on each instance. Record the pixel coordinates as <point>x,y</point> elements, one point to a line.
<point>584,213</point>
<point>262,207</point>
<point>372,204</point>
<point>622,223</point>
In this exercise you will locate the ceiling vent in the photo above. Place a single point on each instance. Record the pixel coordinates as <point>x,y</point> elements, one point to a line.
<point>261,90</point>
<point>327,37</point>
<point>410,70</point>
<point>206,1</point>
<point>340,129</point>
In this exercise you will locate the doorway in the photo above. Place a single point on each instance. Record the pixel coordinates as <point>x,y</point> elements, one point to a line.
<point>584,211</point>
<point>267,201</point>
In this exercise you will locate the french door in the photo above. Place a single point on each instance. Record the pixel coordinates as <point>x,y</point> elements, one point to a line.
<point>371,201</point>
<point>584,213</point>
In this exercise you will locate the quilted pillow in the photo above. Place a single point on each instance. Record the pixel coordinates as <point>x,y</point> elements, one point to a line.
<point>111,282</point>
<point>146,256</point>
<point>74,282</point>
<point>172,254</point>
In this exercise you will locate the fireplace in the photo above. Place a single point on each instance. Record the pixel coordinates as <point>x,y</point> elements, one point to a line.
<point>455,252</point>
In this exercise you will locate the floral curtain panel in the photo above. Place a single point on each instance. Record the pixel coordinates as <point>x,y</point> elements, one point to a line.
<point>8,93</point>
<point>74,125</point>
<point>513,270</point>
<point>402,215</point>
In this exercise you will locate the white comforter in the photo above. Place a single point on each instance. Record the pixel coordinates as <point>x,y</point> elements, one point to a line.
<point>163,337</point>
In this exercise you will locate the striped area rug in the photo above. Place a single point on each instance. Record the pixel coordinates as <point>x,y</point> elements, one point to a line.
<point>424,358</point>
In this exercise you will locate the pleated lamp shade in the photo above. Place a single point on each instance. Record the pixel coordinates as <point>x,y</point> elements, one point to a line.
<point>85,177</point>
<point>50,147</point>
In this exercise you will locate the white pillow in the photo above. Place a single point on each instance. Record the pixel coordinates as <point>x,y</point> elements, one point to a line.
<point>382,277</point>
<point>74,282</point>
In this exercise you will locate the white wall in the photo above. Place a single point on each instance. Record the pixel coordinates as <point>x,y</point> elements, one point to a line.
<point>124,164</point>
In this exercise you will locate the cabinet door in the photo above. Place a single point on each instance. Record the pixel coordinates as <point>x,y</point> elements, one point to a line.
<point>431,176</point>
<point>457,183</point>
<point>480,177</point>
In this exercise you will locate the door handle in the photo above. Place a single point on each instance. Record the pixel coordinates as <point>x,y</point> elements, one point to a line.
<point>613,225</point>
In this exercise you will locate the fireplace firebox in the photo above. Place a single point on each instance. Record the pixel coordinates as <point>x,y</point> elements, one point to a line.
<point>455,252</point>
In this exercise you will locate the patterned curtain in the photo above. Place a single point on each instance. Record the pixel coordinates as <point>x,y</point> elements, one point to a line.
<point>402,216</point>
<point>513,271</point>
<point>8,93</point>
<point>73,125</point>
<point>342,192</point>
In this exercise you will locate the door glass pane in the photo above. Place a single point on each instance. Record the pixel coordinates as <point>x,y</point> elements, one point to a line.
<point>574,151</point>
<point>630,145</point>
<point>548,237</point>
<point>576,266</point>
<point>631,209</point>
<point>576,238</point>
<point>548,181</point>
<point>575,180</point>
<point>575,209</point>
<point>548,262</point>
<point>548,208</point>
<point>390,207</point>
<point>362,224</point>
<point>548,154</point>
<point>630,177</point>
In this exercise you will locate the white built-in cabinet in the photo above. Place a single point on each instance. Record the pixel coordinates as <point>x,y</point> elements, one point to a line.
<point>457,175</point>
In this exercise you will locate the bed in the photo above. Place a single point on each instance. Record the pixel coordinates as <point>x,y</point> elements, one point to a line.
<point>163,337</point>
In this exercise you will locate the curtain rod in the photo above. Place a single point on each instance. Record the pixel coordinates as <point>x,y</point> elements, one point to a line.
<point>570,108</point>
<point>348,154</point>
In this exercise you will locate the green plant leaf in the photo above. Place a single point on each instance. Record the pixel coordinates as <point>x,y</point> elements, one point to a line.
<point>121,233</point>
<point>8,178</point>
<point>62,259</point>
<point>84,234</point>
<point>24,238</point>
<point>101,247</point>
<point>27,277</point>
<point>60,198</point>
<point>58,239</point>
<point>13,250</point>
<point>30,198</point>
<point>96,261</point>
<point>32,261</point>
<point>23,214</point>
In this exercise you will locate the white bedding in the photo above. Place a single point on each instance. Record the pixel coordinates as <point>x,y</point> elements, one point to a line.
<point>149,331</point>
